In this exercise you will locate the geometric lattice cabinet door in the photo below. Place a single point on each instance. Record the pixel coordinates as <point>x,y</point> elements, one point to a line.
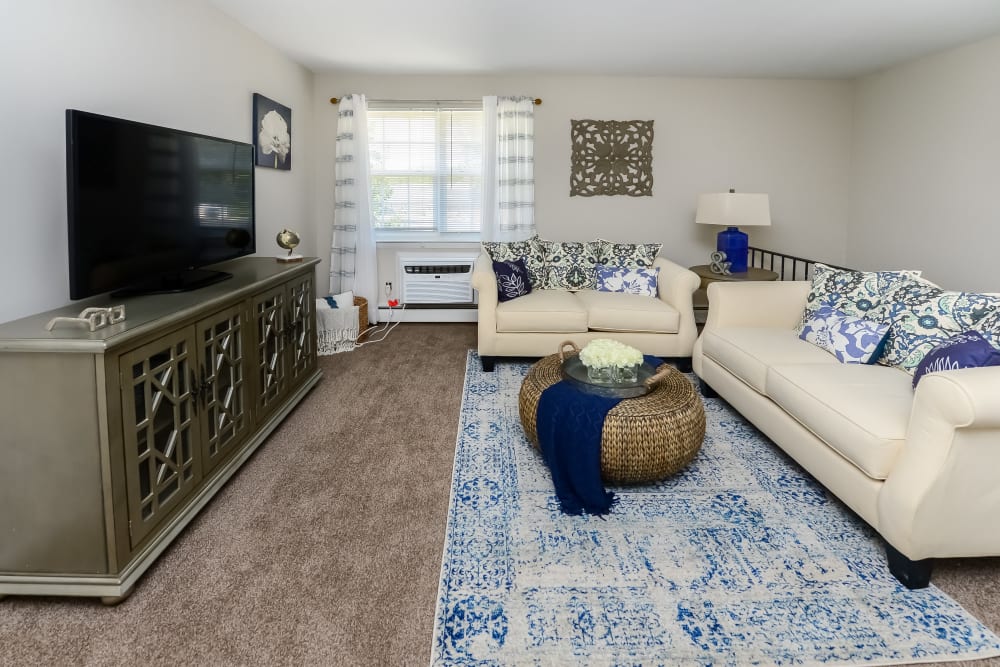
<point>302,321</point>
<point>223,395</point>
<point>161,434</point>
<point>271,338</point>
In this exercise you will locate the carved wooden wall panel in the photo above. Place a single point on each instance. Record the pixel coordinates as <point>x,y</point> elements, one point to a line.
<point>611,157</point>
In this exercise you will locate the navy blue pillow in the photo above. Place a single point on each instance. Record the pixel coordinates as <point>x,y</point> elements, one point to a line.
<point>512,279</point>
<point>965,350</point>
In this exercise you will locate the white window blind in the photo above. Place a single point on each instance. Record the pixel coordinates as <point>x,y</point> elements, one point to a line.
<point>426,162</point>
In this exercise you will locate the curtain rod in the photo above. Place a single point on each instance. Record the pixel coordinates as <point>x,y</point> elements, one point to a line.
<point>336,100</point>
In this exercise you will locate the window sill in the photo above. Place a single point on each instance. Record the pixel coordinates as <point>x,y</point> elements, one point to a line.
<point>437,239</point>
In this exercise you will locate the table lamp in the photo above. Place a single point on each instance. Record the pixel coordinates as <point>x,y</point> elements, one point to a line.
<point>734,209</point>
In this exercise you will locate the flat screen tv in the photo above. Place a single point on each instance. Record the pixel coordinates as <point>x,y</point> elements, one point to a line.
<point>148,206</point>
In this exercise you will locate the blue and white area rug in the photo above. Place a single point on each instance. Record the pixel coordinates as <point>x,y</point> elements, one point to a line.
<point>741,559</point>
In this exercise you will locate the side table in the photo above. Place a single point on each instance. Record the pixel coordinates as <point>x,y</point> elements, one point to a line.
<point>704,272</point>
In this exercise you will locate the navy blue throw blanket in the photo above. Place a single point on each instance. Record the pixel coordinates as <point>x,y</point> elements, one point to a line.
<point>570,422</point>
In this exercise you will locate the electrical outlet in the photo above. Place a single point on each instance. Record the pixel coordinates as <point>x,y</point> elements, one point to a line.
<point>388,288</point>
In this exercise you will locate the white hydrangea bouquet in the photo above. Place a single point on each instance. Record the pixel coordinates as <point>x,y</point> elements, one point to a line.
<point>610,361</point>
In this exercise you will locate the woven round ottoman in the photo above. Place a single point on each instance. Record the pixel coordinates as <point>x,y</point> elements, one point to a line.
<point>645,439</point>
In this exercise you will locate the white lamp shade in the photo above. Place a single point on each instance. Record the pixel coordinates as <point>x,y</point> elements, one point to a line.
<point>734,209</point>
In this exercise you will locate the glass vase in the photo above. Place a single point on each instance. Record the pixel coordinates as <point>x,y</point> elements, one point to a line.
<point>627,374</point>
<point>599,375</point>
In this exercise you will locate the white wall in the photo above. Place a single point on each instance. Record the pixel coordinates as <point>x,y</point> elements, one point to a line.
<point>790,139</point>
<point>178,63</point>
<point>927,168</point>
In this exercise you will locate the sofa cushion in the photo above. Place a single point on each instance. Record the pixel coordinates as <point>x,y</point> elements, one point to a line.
<point>616,311</point>
<point>989,326</point>
<point>630,255</point>
<point>570,265</point>
<point>969,349</point>
<point>512,279</point>
<point>852,340</point>
<point>542,311</point>
<point>860,411</point>
<point>624,279</point>
<point>747,352</point>
<point>924,316</point>
<point>856,293</point>
<point>530,250</point>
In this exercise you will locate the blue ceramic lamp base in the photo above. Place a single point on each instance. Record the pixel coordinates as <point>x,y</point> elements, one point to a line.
<point>736,245</point>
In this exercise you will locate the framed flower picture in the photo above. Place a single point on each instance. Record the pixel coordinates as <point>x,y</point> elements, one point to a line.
<point>272,133</point>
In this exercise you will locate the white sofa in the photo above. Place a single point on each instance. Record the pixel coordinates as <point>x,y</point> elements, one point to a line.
<point>921,467</point>
<point>535,324</point>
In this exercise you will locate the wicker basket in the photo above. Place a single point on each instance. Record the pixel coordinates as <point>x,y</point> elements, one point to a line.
<point>362,304</point>
<point>645,439</point>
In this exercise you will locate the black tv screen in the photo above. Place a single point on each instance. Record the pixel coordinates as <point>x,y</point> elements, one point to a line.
<point>148,206</point>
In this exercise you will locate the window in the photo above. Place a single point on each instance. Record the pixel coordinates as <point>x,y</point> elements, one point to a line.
<point>426,162</point>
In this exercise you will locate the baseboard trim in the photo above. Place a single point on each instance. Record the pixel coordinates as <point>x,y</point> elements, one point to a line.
<point>428,315</point>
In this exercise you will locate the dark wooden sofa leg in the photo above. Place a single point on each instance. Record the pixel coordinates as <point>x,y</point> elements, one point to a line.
<point>911,573</point>
<point>488,363</point>
<point>683,364</point>
<point>706,390</point>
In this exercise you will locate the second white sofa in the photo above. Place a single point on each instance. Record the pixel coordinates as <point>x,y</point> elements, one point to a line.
<point>535,324</point>
<point>920,466</point>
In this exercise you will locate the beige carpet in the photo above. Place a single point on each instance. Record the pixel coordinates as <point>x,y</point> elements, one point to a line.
<point>325,548</point>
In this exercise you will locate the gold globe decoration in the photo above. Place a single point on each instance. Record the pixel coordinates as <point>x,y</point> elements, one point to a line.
<point>288,240</point>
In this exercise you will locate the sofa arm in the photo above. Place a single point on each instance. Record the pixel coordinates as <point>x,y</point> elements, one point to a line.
<point>675,286</point>
<point>942,497</point>
<point>484,281</point>
<point>483,277</point>
<point>756,304</point>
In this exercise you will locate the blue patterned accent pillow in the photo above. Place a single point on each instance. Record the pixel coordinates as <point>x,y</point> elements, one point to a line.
<point>623,279</point>
<point>851,339</point>
<point>925,316</point>
<point>530,250</point>
<point>855,293</point>
<point>569,265</point>
<point>964,350</point>
<point>989,326</point>
<point>629,255</point>
<point>512,279</point>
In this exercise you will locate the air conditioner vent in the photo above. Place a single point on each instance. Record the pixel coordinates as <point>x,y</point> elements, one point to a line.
<point>437,268</point>
<point>436,280</point>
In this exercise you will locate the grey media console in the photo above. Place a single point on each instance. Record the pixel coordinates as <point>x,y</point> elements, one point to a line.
<point>112,441</point>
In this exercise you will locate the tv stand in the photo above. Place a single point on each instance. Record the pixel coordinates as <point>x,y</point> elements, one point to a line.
<point>170,283</point>
<point>114,440</point>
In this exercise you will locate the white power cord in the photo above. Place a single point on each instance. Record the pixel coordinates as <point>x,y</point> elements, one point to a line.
<point>385,331</point>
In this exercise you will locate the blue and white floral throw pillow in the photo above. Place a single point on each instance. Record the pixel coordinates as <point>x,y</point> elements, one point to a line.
<point>623,279</point>
<point>512,279</point>
<point>851,339</point>
<point>631,255</point>
<point>855,293</point>
<point>924,316</point>
<point>530,250</point>
<point>569,265</point>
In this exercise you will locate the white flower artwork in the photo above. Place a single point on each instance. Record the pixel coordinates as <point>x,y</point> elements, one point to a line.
<point>272,133</point>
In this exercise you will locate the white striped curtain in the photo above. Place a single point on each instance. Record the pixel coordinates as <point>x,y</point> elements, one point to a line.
<point>352,253</point>
<point>508,168</point>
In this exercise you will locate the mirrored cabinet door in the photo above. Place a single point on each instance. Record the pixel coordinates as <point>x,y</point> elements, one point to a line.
<point>223,394</point>
<point>161,434</point>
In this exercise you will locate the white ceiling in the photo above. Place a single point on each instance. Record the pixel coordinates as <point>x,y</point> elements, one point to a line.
<point>727,38</point>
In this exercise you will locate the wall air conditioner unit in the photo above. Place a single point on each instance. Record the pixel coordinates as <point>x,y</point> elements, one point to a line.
<point>436,280</point>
